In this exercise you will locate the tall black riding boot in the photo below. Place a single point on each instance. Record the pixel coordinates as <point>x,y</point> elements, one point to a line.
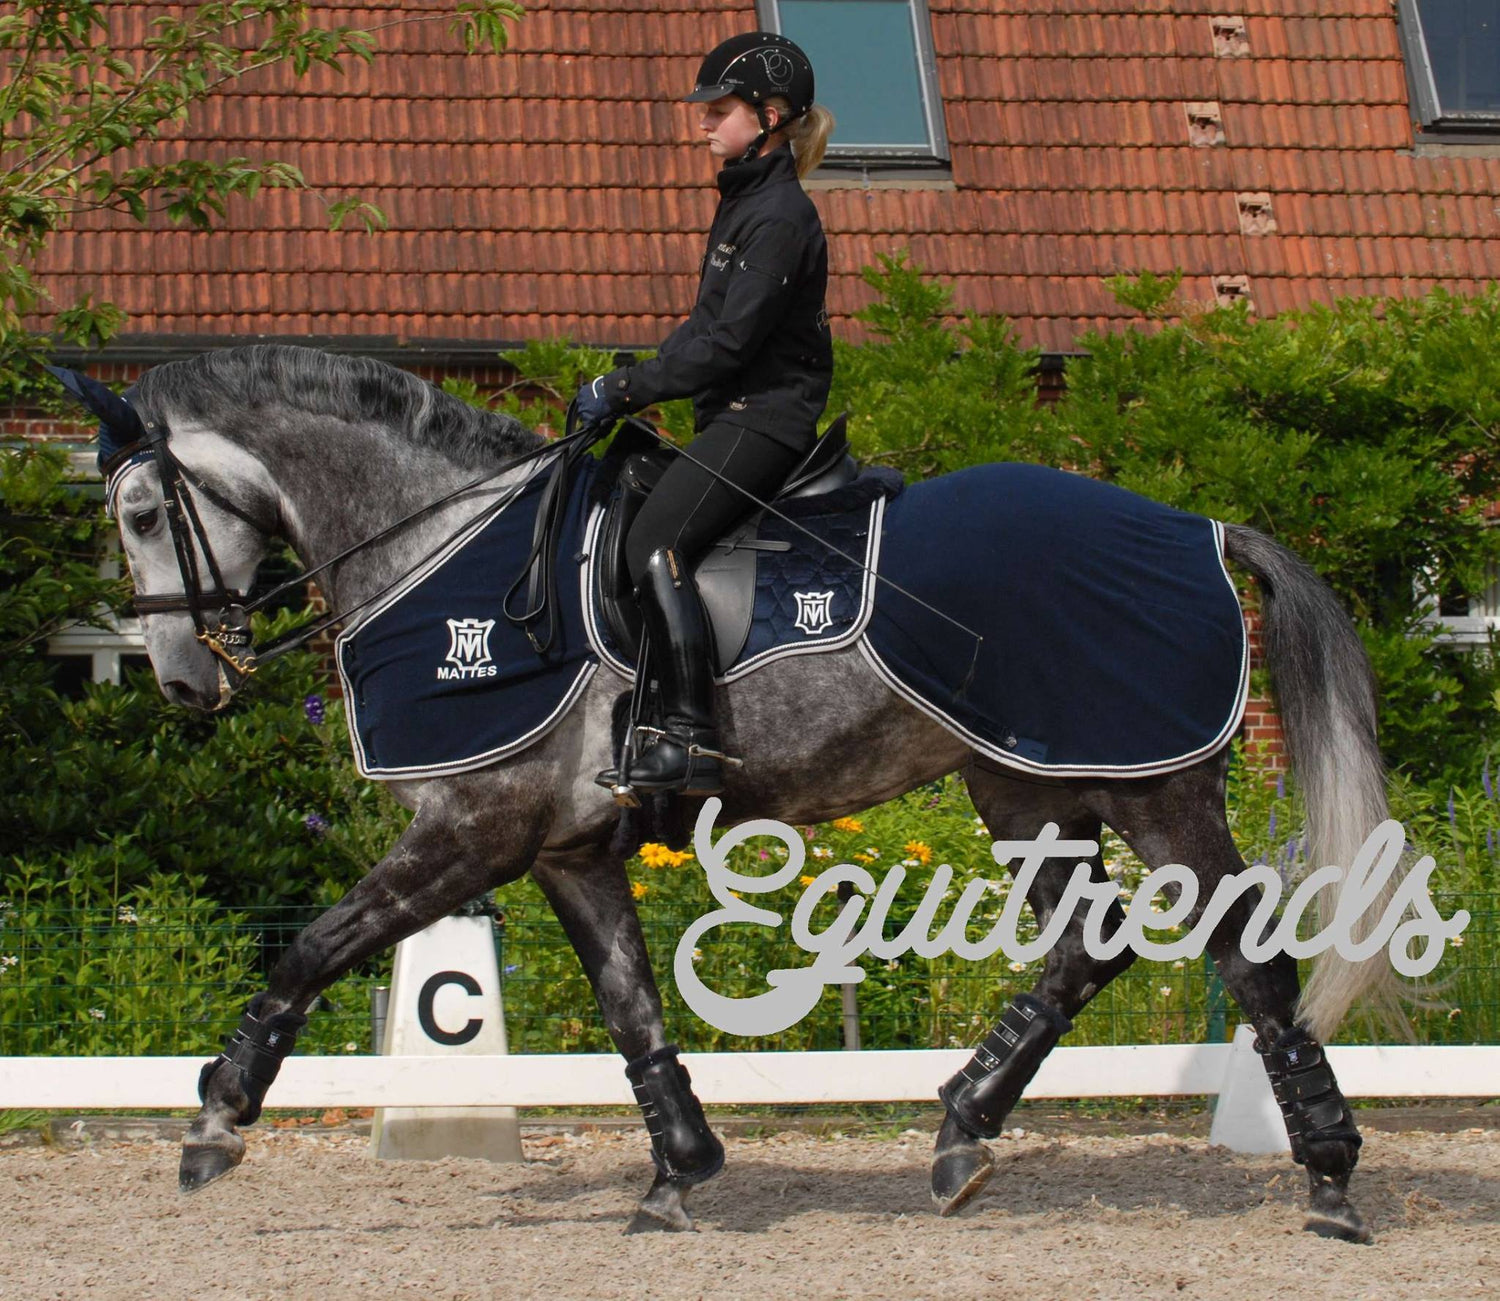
<point>687,756</point>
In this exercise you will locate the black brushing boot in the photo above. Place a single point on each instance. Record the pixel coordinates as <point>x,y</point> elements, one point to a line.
<point>683,1147</point>
<point>982,1094</point>
<point>253,1056</point>
<point>686,756</point>
<point>1321,1129</point>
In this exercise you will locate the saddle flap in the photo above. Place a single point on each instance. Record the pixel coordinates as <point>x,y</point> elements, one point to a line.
<point>726,581</point>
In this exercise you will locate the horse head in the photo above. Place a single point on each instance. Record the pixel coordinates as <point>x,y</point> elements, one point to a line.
<point>195,514</point>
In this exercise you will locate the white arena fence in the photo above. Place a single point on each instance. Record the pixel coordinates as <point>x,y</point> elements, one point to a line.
<point>766,1078</point>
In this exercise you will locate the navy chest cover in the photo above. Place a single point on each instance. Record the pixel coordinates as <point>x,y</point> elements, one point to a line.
<point>437,680</point>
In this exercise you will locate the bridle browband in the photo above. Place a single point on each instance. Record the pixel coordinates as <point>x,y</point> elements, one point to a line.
<point>230,637</point>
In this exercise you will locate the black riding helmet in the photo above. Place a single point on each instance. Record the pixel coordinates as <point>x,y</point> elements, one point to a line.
<point>755,67</point>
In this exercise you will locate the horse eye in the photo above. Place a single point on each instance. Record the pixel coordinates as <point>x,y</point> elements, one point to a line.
<point>144,521</point>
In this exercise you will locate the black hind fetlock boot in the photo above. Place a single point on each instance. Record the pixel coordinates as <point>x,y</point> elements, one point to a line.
<point>686,756</point>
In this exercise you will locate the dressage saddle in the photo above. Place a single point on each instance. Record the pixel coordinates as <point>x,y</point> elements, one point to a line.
<point>726,575</point>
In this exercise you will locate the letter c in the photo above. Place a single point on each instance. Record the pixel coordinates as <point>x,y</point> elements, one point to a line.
<point>430,1027</point>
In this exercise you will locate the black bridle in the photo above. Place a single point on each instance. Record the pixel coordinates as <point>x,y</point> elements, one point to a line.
<point>229,636</point>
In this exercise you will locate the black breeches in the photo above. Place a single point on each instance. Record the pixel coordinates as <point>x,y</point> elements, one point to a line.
<point>689,509</point>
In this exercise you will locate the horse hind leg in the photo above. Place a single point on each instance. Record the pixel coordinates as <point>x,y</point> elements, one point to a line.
<point>980,1097</point>
<point>1179,819</point>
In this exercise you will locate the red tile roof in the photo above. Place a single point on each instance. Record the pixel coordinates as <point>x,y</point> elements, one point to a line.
<point>557,189</point>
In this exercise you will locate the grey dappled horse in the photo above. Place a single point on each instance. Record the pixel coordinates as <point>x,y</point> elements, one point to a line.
<point>327,451</point>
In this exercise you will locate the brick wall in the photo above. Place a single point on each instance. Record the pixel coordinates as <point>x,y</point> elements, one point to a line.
<point>1262,725</point>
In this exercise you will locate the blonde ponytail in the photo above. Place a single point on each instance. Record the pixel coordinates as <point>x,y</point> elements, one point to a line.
<point>808,135</point>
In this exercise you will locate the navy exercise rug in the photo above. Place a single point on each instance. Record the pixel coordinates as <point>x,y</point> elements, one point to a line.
<point>1112,637</point>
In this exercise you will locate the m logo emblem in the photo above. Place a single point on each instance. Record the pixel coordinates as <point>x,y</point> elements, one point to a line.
<point>813,614</point>
<point>470,646</point>
<point>468,650</point>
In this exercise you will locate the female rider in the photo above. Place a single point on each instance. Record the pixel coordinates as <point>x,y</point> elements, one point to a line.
<point>756,358</point>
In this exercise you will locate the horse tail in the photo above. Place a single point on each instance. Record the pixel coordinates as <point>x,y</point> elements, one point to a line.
<point>1325,692</point>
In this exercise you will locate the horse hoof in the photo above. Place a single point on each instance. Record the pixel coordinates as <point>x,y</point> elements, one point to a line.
<point>1341,1222</point>
<point>648,1221</point>
<point>662,1210</point>
<point>958,1173</point>
<point>203,1164</point>
<point>1329,1214</point>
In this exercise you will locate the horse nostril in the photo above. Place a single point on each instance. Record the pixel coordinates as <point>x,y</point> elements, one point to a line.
<point>183,693</point>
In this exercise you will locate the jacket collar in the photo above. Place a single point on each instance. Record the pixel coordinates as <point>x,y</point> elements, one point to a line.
<point>769,169</point>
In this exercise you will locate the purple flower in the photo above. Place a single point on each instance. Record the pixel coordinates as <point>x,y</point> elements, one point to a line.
<point>1280,787</point>
<point>512,966</point>
<point>1484,779</point>
<point>1452,812</point>
<point>318,826</point>
<point>313,708</point>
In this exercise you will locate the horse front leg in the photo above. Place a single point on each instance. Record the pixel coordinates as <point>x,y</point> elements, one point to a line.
<point>448,855</point>
<point>591,896</point>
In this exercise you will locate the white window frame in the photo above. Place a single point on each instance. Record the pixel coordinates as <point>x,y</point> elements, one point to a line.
<point>1468,630</point>
<point>936,152</point>
<point>1427,101</point>
<point>103,646</point>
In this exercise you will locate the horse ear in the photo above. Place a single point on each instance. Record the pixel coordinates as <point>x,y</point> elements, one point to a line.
<point>120,423</point>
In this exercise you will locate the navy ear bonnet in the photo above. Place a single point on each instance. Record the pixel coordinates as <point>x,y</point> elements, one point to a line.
<point>121,431</point>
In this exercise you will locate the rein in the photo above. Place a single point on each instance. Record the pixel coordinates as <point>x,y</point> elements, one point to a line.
<point>231,639</point>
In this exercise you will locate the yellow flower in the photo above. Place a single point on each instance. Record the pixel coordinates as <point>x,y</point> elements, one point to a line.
<point>654,855</point>
<point>806,880</point>
<point>922,853</point>
<point>863,858</point>
<point>848,824</point>
<point>639,889</point>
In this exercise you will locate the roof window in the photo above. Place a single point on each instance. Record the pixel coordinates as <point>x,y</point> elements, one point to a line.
<point>1453,63</point>
<point>875,72</point>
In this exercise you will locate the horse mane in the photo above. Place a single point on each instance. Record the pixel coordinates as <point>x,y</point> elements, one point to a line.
<point>230,388</point>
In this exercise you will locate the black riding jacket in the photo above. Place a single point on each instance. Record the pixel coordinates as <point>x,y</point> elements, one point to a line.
<point>756,350</point>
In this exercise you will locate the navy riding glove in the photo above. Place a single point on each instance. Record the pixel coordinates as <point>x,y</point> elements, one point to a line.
<point>594,405</point>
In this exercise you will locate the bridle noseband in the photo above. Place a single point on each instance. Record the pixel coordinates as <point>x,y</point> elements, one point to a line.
<point>230,638</point>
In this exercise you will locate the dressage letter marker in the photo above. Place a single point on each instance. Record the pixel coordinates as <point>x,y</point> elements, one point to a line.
<point>445,998</point>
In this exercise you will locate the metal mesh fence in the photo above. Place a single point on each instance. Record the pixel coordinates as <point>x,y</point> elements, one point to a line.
<point>174,982</point>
